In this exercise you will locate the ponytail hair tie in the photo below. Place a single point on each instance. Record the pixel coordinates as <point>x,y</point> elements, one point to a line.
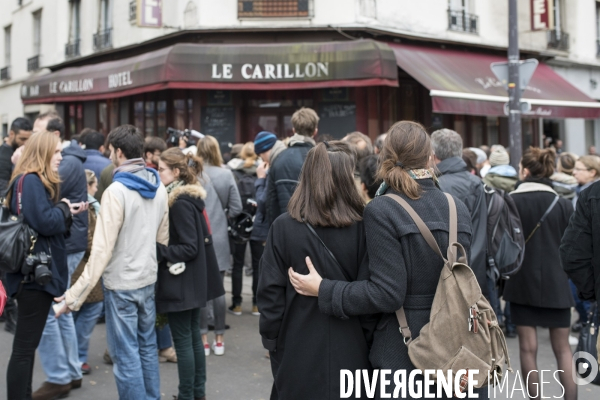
<point>326,143</point>
<point>399,164</point>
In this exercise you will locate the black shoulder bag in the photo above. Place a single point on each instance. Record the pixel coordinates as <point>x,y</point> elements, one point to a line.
<point>16,237</point>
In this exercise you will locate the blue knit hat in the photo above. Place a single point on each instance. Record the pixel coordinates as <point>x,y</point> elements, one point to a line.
<point>264,141</point>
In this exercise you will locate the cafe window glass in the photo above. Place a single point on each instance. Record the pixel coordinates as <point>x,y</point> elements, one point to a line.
<point>150,115</point>
<point>113,113</point>
<point>161,120</point>
<point>179,111</point>
<point>492,131</point>
<point>72,120</point>
<point>477,132</point>
<point>190,113</point>
<point>138,114</point>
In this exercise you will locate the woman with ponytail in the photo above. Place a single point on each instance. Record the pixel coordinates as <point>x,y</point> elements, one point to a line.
<point>188,274</point>
<point>325,212</point>
<point>539,294</point>
<point>403,270</point>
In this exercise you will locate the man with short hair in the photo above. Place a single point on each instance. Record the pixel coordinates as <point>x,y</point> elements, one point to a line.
<point>285,171</point>
<point>94,150</point>
<point>153,148</point>
<point>58,349</point>
<point>458,181</point>
<point>134,216</point>
<point>362,143</point>
<point>20,130</point>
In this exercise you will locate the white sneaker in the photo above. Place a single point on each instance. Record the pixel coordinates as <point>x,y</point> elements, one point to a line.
<point>218,348</point>
<point>206,349</point>
<point>573,341</point>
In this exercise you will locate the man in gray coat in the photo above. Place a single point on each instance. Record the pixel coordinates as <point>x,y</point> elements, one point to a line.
<point>457,180</point>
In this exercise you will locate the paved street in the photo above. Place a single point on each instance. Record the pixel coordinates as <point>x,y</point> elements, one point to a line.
<point>244,372</point>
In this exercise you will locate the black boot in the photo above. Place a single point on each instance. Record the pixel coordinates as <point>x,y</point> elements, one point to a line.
<point>10,313</point>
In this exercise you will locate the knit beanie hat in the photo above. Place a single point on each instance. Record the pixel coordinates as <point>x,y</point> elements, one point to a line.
<point>499,157</point>
<point>264,141</point>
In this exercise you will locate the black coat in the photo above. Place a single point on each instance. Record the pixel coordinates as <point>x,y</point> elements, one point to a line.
<point>580,247</point>
<point>73,186</point>
<point>541,281</point>
<point>51,222</point>
<point>460,183</point>
<point>404,271</point>
<point>307,347</point>
<point>190,242</point>
<point>283,178</point>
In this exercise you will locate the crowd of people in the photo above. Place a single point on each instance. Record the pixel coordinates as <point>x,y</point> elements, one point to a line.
<point>141,235</point>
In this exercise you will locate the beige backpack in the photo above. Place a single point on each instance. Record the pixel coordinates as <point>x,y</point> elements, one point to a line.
<point>463,331</point>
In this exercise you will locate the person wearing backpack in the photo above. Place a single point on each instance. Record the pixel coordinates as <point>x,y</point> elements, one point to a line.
<point>244,172</point>
<point>539,294</point>
<point>404,270</point>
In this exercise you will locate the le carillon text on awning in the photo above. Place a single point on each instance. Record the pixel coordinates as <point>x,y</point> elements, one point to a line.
<point>224,67</point>
<point>463,83</point>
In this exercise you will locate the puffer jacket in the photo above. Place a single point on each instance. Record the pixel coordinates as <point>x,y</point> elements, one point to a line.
<point>456,180</point>
<point>284,174</point>
<point>565,185</point>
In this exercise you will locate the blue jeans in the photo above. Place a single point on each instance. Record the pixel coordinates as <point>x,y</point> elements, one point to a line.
<point>85,321</point>
<point>130,323</point>
<point>582,306</point>
<point>163,337</point>
<point>58,347</point>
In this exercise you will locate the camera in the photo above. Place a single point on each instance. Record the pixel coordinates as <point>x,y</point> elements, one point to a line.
<point>176,134</point>
<point>38,265</point>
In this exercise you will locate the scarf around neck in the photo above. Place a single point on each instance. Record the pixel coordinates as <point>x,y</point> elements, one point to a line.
<point>416,174</point>
<point>131,166</point>
<point>174,185</point>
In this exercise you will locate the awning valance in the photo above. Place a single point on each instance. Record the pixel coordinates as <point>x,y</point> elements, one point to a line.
<point>225,67</point>
<point>463,83</point>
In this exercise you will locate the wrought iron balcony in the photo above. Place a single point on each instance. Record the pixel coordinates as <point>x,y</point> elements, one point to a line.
<point>276,9</point>
<point>558,40</point>
<point>33,63</point>
<point>133,11</point>
<point>5,74</point>
<point>462,21</point>
<point>103,39</point>
<point>72,49</point>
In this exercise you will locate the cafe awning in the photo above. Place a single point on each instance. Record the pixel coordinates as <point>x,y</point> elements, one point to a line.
<point>462,83</point>
<point>224,67</point>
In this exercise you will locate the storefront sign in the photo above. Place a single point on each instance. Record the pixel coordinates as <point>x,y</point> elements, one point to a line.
<point>542,14</point>
<point>223,67</point>
<point>149,13</point>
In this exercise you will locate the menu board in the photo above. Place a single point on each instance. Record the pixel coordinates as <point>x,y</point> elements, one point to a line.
<point>337,119</point>
<point>220,123</point>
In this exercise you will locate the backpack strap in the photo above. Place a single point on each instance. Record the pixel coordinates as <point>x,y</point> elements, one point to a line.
<point>428,236</point>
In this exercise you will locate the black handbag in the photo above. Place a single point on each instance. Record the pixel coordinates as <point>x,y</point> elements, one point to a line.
<point>16,237</point>
<point>588,339</point>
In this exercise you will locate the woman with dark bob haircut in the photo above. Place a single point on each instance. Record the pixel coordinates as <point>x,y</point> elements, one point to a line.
<point>325,215</point>
<point>404,270</point>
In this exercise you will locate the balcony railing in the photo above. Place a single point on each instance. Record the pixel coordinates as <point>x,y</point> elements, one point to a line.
<point>5,74</point>
<point>275,9</point>
<point>72,49</point>
<point>33,63</point>
<point>103,39</point>
<point>462,21</point>
<point>558,40</point>
<point>133,11</point>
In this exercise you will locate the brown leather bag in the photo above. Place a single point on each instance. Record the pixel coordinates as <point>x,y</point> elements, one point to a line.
<point>463,331</point>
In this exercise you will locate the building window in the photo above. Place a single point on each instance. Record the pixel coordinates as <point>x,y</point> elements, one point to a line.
<point>33,63</point>
<point>103,38</point>
<point>557,38</point>
<point>5,71</point>
<point>275,9</point>
<point>72,47</point>
<point>461,16</point>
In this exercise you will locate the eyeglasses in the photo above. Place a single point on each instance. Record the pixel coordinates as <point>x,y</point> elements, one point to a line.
<point>581,169</point>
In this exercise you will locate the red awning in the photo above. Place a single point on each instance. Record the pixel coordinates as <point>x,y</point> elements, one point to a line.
<point>282,66</point>
<point>463,83</point>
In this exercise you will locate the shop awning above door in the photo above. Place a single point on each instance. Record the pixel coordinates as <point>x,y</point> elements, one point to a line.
<point>463,83</point>
<point>224,67</point>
